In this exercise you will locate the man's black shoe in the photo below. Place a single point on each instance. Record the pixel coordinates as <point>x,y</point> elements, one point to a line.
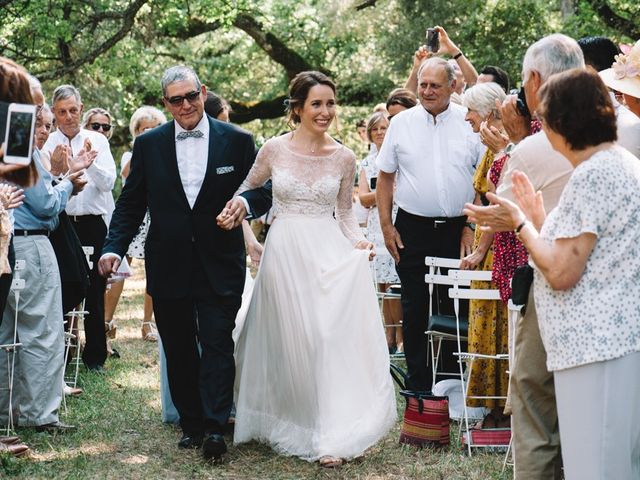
<point>213,447</point>
<point>190,441</point>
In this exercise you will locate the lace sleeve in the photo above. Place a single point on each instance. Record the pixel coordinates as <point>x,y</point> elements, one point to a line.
<point>261,170</point>
<point>344,203</point>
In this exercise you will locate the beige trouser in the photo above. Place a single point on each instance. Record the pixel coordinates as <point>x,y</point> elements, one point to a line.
<point>534,420</point>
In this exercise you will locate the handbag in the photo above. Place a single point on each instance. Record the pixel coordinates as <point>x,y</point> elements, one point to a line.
<point>520,285</point>
<point>426,416</point>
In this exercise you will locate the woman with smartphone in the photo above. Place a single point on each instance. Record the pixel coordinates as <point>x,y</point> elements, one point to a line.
<point>383,265</point>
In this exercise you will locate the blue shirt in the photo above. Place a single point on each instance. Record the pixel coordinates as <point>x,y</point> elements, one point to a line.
<point>43,202</point>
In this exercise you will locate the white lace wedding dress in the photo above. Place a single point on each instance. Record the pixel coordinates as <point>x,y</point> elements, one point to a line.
<point>312,360</point>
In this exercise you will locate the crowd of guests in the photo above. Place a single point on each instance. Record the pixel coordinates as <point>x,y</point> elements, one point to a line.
<point>459,166</point>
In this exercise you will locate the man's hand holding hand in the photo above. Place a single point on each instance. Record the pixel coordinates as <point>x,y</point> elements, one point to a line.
<point>108,265</point>
<point>232,214</point>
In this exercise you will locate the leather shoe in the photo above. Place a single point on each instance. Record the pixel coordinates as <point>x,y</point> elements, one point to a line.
<point>17,449</point>
<point>56,427</point>
<point>99,369</point>
<point>9,440</point>
<point>190,441</point>
<point>213,446</point>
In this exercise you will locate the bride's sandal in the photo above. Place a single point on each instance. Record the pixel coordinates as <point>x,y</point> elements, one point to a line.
<point>149,333</point>
<point>331,462</point>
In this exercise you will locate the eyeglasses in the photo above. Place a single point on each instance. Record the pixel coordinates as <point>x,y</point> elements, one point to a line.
<point>178,100</point>
<point>97,126</point>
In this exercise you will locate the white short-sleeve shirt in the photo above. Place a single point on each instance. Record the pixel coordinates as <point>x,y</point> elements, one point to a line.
<point>435,160</point>
<point>599,318</point>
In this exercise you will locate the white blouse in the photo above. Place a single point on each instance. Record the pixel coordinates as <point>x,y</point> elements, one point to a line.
<point>599,318</point>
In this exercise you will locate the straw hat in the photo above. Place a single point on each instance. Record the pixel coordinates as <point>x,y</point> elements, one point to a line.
<point>624,74</point>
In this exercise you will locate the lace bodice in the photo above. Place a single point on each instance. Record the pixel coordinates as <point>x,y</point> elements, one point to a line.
<point>307,185</point>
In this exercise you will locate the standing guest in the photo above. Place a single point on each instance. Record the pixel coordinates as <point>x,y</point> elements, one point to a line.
<point>183,172</point>
<point>434,152</point>
<point>143,119</point>
<point>384,267</point>
<point>40,360</point>
<point>217,107</point>
<point>488,319</point>
<point>89,210</point>
<point>586,260</point>
<point>496,75</point>
<point>98,120</point>
<point>399,100</point>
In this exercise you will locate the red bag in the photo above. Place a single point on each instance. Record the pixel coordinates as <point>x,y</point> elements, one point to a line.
<point>426,419</point>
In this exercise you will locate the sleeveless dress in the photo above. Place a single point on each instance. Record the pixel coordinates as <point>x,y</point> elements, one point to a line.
<point>312,360</point>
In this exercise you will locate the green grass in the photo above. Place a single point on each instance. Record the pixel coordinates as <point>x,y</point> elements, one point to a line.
<point>120,434</point>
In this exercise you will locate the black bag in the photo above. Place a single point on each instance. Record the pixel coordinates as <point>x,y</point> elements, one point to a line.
<point>520,285</point>
<point>72,263</point>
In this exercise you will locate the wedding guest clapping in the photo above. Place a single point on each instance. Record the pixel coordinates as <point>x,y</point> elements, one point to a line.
<point>585,253</point>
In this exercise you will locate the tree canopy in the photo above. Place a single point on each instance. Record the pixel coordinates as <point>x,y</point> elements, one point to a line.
<point>248,50</point>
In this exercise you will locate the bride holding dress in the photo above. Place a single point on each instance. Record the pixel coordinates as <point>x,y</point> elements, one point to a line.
<point>312,362</point>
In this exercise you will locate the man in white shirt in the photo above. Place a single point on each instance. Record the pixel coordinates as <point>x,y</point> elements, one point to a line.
<point>90,210</point>
<point>434,152</point>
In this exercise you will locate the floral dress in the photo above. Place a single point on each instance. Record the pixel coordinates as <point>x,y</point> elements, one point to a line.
<point>488,321</point>
<point>136,247</point>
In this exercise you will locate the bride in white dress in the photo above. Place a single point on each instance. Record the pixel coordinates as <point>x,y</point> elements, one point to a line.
<point>312,361</point>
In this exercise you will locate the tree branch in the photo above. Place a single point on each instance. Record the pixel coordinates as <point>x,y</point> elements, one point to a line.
<point>128,19</point>
<point>246,111</point>
<point>365,4</point>
<point>614,20</point>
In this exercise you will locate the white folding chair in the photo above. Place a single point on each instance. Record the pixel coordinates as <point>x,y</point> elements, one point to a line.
<point>440,327</point>
<point>457,294</point>
<point>76,317</point>
<point>17,285</point>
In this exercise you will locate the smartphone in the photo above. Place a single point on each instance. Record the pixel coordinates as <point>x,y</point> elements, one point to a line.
<point>18,140</point>
<point>372,182</point>
<point>521,104</point>
<point>433,40</point>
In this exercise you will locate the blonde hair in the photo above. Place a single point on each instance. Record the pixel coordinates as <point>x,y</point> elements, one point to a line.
<point>142,114</point>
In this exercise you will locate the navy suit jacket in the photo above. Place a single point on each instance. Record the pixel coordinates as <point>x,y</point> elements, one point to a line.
<point>180,236</point>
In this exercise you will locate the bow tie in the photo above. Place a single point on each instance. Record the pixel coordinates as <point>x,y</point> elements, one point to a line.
<point>189,133</point>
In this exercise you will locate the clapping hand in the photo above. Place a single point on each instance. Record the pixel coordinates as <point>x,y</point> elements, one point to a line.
<point>78,180</point>
<point>84,159</point>
<point>10,196</point>
<point>531,202</point>
<point>517,126</point>
<point>493,138</point>
<point>232,214</point>
<point>60,160</point>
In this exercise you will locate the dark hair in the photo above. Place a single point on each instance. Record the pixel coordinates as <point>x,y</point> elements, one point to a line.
<point>215,104</point>
<point>16,88</point>
<point>299,91</point>
<point>362,123</point>
<point>576,104</point>
<point>599,52</point>
<point>403,97</point>
<point>499,76</point>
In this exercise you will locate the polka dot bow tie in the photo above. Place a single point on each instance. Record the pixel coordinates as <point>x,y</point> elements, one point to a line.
<point>189,133</point>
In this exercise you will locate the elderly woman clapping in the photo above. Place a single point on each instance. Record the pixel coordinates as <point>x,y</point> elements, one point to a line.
<point>587,277</point>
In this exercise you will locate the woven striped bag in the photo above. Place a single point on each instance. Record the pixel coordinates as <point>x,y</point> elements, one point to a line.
<point>426,419</point>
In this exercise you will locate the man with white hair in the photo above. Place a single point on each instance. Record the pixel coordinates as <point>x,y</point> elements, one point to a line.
<point>434,151</point>
<point>90,210</point>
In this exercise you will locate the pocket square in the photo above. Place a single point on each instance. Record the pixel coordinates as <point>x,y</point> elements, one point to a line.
<point>223,170</point>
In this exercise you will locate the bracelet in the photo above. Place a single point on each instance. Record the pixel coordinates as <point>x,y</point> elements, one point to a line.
<point>457,55</point>
<point>520,227</point>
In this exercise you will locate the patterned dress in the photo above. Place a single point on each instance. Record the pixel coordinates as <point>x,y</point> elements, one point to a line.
<point>136,247</point>
<point>488,321</point>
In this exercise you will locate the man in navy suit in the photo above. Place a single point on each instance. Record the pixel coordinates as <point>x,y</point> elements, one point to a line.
<point>184,172</point>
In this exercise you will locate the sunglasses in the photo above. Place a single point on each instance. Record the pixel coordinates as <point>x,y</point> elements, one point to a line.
<point>178,100</point>
<point>97,126</point>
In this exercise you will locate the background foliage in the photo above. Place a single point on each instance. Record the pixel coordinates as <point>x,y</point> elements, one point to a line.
<point>248,50</point>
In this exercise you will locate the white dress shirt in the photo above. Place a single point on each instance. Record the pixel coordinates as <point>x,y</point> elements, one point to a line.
<point>96,197</point>
<point>435,161</point>
<point>192,155</point>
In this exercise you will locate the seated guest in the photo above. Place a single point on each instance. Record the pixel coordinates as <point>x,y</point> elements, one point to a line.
<point>585,281</point>
<point>488,319</point>
<point>40,360</point>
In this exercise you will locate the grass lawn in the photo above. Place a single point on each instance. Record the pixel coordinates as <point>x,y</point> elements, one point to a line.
<point>120,434</point>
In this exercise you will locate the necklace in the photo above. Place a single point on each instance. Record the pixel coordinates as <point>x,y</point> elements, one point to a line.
<point>311,147</point>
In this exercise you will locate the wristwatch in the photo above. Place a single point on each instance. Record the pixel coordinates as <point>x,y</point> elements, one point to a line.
<point>470,225</point>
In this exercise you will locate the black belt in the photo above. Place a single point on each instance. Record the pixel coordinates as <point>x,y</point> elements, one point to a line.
<point>27,233</point>
<point>435,222</point>
<point>83,218</point>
